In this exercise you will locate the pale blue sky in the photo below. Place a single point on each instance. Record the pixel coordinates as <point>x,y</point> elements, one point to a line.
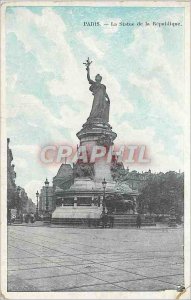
<point>47,92</point>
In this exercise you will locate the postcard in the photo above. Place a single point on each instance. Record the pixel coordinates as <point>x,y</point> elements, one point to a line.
<point>95,149</point>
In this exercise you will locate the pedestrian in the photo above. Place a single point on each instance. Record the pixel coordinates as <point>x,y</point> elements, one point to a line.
<point>111,220</point>
<point>103,220</point>
<point>9,216</point>
<point>138,221</point>
<point>106,219</point>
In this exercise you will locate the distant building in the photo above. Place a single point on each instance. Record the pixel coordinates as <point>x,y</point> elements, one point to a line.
<point>11,176</point>
<point>16,196</point>
<point>138,180</point>
<point>42,199</point>
<point>134,179</point>
<point>30,207</point>
<point>27,206</point>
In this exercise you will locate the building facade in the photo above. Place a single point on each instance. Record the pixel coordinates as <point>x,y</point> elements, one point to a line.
<point>46,194</point>
<point>17,197</point>
<point>11,176</point>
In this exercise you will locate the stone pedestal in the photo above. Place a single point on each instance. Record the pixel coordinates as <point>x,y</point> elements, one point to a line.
<point>97,133</point>
<point>83,200</point>
<point>93,134</point>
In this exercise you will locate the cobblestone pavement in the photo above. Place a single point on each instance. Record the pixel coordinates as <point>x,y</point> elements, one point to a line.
<point>80,259</point>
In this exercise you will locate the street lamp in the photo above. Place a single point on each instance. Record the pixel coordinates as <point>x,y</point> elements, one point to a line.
<point>37,196</point>
<point>46,217</point>
<point>46,186</point>
<point>104,183</point>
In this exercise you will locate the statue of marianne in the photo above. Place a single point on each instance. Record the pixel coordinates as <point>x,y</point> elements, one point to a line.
<point>101,102</point>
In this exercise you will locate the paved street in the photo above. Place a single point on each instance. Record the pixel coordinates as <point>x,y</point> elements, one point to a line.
<point>80,259</point>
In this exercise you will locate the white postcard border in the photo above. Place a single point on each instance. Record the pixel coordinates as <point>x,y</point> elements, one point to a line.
<point>168,294</point>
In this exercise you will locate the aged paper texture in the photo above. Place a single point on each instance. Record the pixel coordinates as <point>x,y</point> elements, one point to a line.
<point>95,149</point>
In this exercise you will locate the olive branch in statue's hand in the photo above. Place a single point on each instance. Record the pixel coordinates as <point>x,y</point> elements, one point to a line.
<point>87,64</point>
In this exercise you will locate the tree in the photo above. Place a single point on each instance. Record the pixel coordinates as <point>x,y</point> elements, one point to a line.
<point>163,191</point>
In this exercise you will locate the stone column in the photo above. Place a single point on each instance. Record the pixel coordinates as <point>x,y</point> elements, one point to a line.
<point>135,201</point>
<point>75,201</point>
<point>101,201</point>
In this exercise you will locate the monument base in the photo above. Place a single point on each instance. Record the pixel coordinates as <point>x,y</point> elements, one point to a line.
<point>129,220</point>
<point>75,214</point>
<point>47,217</point>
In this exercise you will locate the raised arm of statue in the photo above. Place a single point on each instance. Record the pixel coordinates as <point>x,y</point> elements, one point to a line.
<point>87,64</point>
<point>88,75</point>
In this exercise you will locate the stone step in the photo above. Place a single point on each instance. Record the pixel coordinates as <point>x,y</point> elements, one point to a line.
<point>131,225</point>
<point>124,216</point>
<point>71,221</point>
<point>119,221</point>
<point>129,220</point>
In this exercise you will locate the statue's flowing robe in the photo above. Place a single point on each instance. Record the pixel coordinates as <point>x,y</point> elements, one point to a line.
<point>100,106</point>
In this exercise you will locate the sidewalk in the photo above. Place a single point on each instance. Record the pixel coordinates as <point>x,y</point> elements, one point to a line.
<point>41,224</point>
<point>82,259</point>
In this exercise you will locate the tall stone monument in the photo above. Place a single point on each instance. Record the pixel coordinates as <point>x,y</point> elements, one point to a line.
<point>85,195</point>
<point>97,130</point>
